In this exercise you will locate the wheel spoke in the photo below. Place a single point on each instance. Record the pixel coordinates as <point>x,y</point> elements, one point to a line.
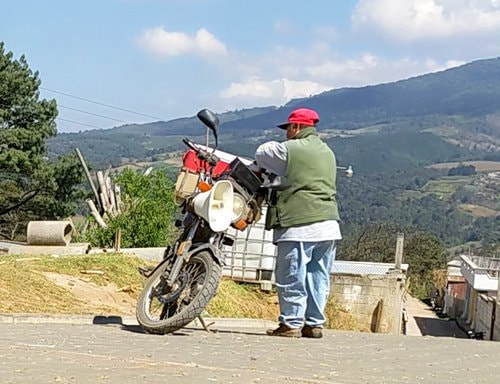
<point>198,279</point>
<point>165,302</point>
<point>193,268</point>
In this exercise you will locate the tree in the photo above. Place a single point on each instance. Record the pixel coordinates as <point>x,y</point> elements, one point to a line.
<point>31,187</point>
<point>148,213</point>
<point>423,252</point>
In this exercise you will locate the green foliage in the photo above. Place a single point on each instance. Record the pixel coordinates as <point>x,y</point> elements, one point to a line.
<point>384,197</point>
<point>423,253</point>
<point>396,151</point>
<point>462,170</point>
<point>146,220</point>
<point>30,186</point>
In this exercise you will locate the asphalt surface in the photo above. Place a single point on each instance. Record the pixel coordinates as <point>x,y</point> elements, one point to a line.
<point>423,321</point>
<point>65,353</point>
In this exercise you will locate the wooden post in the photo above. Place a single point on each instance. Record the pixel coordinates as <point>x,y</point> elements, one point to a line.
<point>106,208</point>
<point>118,240</point>
<point>103,192</point>
<point>399,251</point>
<point>96,214</point>
<point>111,195</point>
<point>118,199</point>
<point>87,174</point>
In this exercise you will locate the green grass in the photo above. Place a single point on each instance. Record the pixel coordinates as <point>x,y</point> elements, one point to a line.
<point>243,301</point>
<point>445,186</point>
<point>24,288</point>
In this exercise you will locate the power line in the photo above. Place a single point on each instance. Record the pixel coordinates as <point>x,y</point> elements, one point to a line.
<point>94,114</point>
<point>103,104</point>
<point>76,122</point>
<point>60,118</point>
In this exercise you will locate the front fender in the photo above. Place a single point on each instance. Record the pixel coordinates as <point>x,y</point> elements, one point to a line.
<point>198,247</point>
<point>214,251</point>
<point>148,272</point>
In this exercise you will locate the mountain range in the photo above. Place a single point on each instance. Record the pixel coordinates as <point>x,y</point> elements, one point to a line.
<point>461,106</point>
<point>390,133</point>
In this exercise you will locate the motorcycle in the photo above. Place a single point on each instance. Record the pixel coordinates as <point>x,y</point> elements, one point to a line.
<point>213,195</point>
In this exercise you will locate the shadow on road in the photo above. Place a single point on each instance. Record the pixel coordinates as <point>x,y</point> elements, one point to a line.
<point>190,331</point>
<point>103,320</point>
<point>229,331</point>
<point>138,329</point>
<point>439,327</point>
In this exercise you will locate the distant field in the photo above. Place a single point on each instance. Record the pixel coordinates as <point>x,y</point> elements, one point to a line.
<point>328,133</point>
<point>444,186</point>
<point>478,211</point>
<point>481,166</point>
<point>175,160</point>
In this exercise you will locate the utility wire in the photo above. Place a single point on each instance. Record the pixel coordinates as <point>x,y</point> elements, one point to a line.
<point>93,114</point>
<point>105,105</point>
<point>73,121</point>
<point>76,122</point>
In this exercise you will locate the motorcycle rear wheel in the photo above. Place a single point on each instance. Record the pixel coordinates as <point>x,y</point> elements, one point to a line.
<point>160,311</point>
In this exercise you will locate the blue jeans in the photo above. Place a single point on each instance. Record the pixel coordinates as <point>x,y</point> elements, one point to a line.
<point>303,281</point>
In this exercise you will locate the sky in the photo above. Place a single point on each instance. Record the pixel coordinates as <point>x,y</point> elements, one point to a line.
<point>137,61</point>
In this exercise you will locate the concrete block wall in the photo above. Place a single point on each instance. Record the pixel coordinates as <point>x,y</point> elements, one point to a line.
<point>496,328</point>
<point>362,295</point>
<point>482,319</point>
<point>484,311</point>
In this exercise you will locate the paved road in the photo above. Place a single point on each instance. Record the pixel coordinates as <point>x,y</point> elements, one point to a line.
<point>423,321</point>
<point>62,353</point>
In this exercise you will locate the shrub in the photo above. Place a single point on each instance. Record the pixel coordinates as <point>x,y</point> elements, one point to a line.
<point>147,214</point>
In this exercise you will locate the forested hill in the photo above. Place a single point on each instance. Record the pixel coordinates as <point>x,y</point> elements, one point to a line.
<point>461,105</point>
<point>471,90</point>
<point>390,133</point>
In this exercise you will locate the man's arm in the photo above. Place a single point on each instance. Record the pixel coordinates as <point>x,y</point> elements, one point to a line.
<point>273,157</point>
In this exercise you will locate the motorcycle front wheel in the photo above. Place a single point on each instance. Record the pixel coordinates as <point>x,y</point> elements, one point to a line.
<point>162,310</point>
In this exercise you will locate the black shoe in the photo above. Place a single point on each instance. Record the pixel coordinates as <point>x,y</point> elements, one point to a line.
<point>284,331</point>
<point>312,332</point>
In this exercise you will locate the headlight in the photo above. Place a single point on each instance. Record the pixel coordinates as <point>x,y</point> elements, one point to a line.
<point>239,207</point>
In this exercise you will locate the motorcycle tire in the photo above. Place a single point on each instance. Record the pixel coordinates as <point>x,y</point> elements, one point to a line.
<point>192,310</point>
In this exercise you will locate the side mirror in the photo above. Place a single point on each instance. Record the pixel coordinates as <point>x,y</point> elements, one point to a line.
<point>348,170</point>
<point>211,120</point>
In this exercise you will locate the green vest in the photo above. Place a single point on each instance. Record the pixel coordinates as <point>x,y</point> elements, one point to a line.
<point>311,173</point>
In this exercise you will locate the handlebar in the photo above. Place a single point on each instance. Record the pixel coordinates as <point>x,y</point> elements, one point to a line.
<point>202,154</point>
<point>190,144</point>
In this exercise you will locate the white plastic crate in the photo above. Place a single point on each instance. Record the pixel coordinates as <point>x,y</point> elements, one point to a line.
<point>252,257</point>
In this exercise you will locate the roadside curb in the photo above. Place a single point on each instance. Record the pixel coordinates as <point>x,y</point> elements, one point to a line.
<point>28,318</point>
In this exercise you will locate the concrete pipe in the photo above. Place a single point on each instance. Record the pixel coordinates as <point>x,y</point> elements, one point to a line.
<point>49,232</point>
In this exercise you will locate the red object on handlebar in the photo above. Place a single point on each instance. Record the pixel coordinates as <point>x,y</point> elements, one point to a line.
<point>193,163</point>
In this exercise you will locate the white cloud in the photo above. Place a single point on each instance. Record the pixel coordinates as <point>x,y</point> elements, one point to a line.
<point>164,43</point>
<point>409,20</point>
<point>370,69</point>
<point>258,92</point>
<point>286,73</point>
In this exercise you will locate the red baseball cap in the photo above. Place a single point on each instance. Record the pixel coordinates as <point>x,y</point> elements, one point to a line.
<point>302,116</point>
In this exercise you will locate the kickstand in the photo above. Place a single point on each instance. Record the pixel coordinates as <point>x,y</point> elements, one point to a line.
<point>205,325</point>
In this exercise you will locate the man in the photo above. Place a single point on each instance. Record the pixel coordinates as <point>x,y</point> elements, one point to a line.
<point>304,217</point>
